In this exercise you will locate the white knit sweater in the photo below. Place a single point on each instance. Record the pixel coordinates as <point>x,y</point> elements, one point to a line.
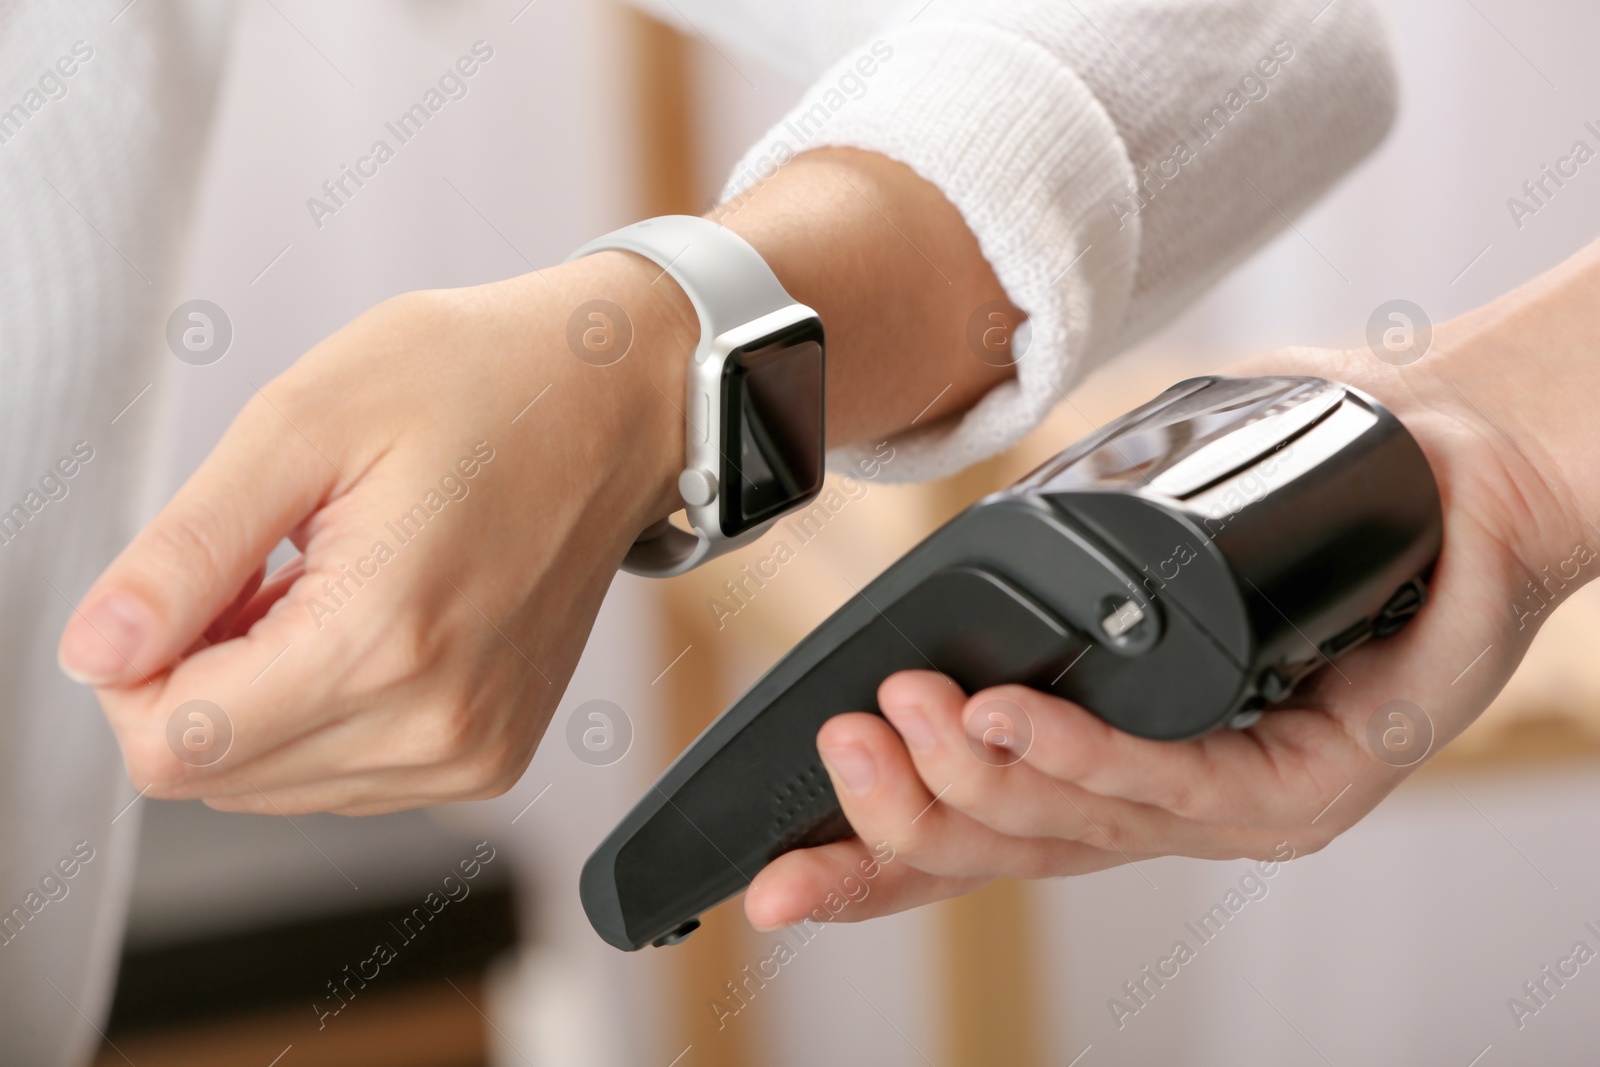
<point>102,121</point>
<point>1113,157</point>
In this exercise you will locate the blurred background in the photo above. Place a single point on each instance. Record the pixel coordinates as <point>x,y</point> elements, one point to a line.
<point>1399,944</point>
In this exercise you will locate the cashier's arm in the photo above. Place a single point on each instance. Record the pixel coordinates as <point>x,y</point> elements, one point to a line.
<point>1503,407</point>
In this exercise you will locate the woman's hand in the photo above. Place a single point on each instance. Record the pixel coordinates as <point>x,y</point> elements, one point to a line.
<point>1501,408</point>
<point>452,475</point>
<point>463,472</point>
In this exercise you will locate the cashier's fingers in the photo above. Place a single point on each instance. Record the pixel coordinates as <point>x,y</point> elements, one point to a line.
<point>847,881</point>
<point>1226,777</point>
<point>885,800</point>
<point>1232,793</point>
<point>971,753</point>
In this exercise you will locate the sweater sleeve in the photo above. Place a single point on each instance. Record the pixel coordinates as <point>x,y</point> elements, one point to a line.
<point>1112,157</point>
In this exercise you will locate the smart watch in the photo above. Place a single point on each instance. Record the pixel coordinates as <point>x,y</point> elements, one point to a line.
<point>753,405</point>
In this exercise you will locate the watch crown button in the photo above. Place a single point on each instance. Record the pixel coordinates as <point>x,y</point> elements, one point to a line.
<point>697,487</point>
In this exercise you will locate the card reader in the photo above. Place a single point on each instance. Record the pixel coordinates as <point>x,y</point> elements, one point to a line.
<point>1178,571</point>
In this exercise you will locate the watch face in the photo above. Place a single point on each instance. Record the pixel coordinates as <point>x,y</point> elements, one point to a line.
<point>772,426</point>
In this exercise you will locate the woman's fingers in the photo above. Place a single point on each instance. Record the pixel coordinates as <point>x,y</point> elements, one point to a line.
<point>184,569</point>
<point>224,623</point>
<point>272,590</point>
<point>442,589</point>
<point>294,671</point>
<point>395,740</point>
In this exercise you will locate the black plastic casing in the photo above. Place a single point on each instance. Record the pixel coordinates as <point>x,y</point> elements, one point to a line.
<point>1256,529</point>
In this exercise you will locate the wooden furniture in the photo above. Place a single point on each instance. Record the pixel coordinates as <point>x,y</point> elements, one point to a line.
<point>437,1024</point>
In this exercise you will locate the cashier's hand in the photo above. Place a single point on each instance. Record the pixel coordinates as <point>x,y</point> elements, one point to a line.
<point>1055,791</point>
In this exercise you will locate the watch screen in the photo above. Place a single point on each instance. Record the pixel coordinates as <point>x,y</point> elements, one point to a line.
<point>772,426</point>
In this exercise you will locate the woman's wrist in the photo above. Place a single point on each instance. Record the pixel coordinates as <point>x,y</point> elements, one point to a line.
<point>885,260</point>
<point>620,334</point>
<point>891,267</point>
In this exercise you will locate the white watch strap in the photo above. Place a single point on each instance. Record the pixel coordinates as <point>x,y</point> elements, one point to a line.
<point>729,284</point>
<point>727,280</point>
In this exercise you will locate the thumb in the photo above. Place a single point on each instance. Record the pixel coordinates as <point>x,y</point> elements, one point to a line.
<point>159,596</point>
